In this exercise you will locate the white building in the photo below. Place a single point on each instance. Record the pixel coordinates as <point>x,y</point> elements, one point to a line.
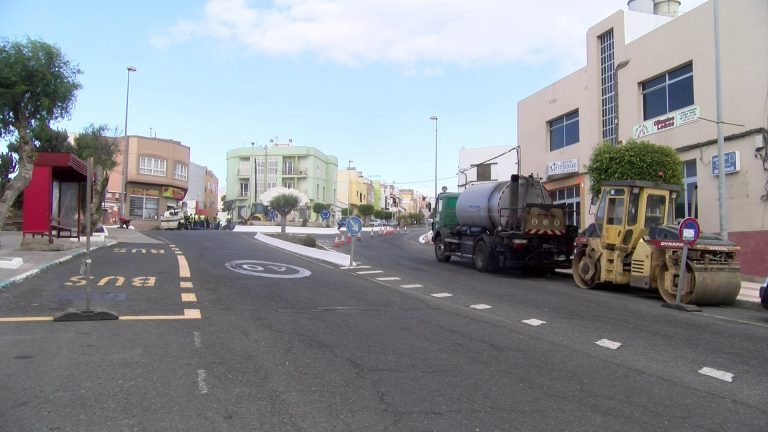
<point>485,164</point>
<point>664,70</point>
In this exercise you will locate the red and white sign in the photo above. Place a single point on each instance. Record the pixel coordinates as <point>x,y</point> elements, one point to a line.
<point>667,121</point>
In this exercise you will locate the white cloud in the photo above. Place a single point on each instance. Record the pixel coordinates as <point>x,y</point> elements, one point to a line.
<point>354,32</point>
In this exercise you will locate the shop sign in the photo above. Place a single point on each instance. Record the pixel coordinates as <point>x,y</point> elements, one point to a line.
<point>563,167</point>
<point>172,192</point>
<point>144,192</point>
<point>667,121</point>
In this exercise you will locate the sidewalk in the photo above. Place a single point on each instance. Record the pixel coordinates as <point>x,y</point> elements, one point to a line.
<point>17,265</point>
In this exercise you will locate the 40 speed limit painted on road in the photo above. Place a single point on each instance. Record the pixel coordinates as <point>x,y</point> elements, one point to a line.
<point>267,269</point>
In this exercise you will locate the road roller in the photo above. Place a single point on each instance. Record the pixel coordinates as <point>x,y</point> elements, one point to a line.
<point>635,241</point>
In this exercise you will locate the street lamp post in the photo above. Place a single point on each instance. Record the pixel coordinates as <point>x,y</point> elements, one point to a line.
<point>124,190</point>
<point>349,188</point>
<point>435,119</point>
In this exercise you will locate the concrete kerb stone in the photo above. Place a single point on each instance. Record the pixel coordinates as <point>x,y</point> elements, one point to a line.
<point>332,257</point>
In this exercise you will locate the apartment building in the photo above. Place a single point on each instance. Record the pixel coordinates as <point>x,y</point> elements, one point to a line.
<point>652,76</point>
<point>154,176</point>
<point>203,190</point>
<point>252,170</point>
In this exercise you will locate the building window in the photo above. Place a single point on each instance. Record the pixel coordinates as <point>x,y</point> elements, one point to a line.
<point>288,184</point>
<point>243,167</point>
<point>570,196</point>
<point>669,92</point>
<point>180,172</point>
<point>608,94</point>
<point>152,166</point>
<point>143,205</point>
<point>244,189</point>
<point>483,172</point>
<point>288,167</point>
<point>564,131</point>
<point>684,202</point>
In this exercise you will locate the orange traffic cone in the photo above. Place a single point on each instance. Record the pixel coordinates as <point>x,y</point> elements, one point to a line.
<point>349,239</point>
<point>360,236</point>
<point>336,242</point>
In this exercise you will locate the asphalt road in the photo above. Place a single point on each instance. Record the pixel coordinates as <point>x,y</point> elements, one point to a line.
<point>285,343</point>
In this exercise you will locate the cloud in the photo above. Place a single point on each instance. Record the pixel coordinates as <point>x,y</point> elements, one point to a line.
<point>410,32</point>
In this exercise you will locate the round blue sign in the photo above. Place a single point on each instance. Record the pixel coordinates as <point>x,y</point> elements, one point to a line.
<point>325,214</point>
<point>354,225</point>
<point>689,230</point>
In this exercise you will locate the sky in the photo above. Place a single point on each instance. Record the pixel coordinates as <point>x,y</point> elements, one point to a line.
<point>356,79</point>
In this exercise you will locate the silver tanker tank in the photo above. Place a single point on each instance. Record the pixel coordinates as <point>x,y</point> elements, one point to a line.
<point>490,205</point>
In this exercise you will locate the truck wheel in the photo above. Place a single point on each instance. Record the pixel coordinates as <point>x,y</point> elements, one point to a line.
<point>441,253</point>
<point>483,257</point>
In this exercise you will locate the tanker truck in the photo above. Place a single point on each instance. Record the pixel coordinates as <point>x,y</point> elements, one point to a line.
<point>504,225</point>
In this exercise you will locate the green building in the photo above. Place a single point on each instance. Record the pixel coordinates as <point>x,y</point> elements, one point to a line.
<point>253,170</point>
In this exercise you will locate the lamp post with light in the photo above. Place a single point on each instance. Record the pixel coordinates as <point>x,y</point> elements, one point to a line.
<point>435,119</point>
<point>124,189</point>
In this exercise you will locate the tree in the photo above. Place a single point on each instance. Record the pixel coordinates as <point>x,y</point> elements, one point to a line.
<point>365,210</point>
<point>93,142</point>
<point>318,208</point>
<point>37,86</point>
<point>7,168</point>
<point>635,160</point>
<point>346,212</point>
<point>284,201</point>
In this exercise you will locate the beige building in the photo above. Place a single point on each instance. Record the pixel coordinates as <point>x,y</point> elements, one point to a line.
<point>157,179</point>
<point>652,77</point>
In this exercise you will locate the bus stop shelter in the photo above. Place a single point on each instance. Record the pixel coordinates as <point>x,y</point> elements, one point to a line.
<point>54,199</point>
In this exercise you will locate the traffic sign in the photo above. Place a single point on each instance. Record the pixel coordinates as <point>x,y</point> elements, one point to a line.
<point>325,214</point>
<point>689,231</point>
<point>354,225</point>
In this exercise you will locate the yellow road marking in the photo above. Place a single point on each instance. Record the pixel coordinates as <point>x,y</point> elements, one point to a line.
<point>188,314</point>
<point>186,285</point>
<point>26,319</point>
<point>188,297</point>
<point>183,267</point>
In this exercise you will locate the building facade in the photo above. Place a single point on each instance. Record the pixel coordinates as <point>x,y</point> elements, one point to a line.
<point>253,170</point>
<point>652,77</point>
<point>203,191</point>
<point>155,176</point>
<point>483,164</point>
<point>353,189</point>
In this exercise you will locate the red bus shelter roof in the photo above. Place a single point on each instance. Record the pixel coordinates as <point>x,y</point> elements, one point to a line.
<point>66,166</point>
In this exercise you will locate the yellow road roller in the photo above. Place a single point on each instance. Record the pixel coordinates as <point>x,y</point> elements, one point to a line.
<point>634,241</point>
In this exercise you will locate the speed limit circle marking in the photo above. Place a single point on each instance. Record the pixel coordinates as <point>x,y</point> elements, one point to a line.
<point>267,269</point>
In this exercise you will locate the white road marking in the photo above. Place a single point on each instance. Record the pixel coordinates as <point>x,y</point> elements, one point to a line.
<point>714,373</point>
<point>354,267</point>
<point>480,306</point>
<point>370,272</point>
<point>608,344</point>
<point>188,297</point>
<point>534,322</point>
<point>442,295</point>
<point>388,278</point>
<point>412,286</point>
<point>201,387</point>
<point>198,339</point>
